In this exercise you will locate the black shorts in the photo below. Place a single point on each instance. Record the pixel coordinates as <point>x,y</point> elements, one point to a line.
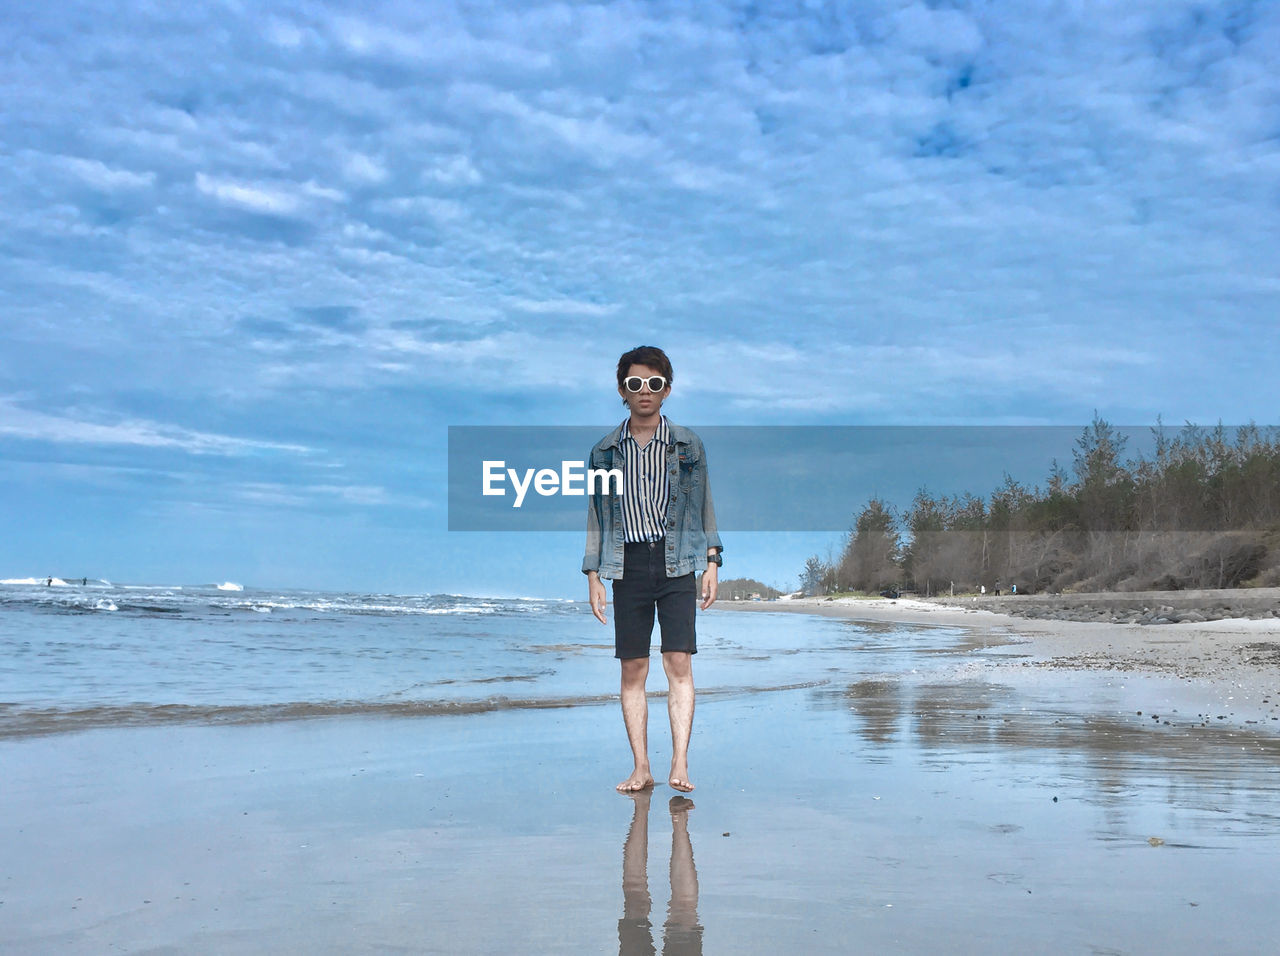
<point>643,586</point>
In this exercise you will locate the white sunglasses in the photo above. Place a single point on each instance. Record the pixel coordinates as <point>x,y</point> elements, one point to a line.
<point>634,383</point>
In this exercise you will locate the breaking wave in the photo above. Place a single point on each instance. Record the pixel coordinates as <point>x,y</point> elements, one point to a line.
<point>18,721</point>
<point>146,599</point>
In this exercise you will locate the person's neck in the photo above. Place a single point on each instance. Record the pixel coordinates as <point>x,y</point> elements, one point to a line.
<point>646,426</point>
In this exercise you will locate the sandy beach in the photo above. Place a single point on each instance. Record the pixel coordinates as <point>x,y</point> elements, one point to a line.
<point>1230,665</point>
<point>951,778</point>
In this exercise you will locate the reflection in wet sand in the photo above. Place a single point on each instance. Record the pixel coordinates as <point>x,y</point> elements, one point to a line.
<point>879,704</point>
<point>682,934</point>
<point>635,932</point>
<point>1116,755</point>
<point>880,628</point>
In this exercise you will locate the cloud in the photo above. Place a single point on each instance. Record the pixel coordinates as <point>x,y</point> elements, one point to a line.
<point>315,190</point>
<point>253,198</point>
<point>25,423</point>
<point>591,133</point>
<point>444,210</point>
<point>452,170</point>
<point>329,316</point>
<point>364,169</point>
<point>430,39</point>
<point>564,307</point>
<point>273,494</point>
<point>864,380</point>
<point>109,179</point>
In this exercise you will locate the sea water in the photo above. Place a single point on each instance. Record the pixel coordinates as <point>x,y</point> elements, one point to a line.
<point>75,656</point>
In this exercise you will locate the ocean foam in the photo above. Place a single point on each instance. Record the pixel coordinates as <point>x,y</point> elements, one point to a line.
<point>229,586</point>
<point>27,720</point>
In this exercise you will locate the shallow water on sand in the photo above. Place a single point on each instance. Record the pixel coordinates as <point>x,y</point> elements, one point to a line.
<point>892,796</point>
<point>74,658</point>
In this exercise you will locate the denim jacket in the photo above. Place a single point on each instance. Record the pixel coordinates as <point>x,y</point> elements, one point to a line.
<point>691,517</point>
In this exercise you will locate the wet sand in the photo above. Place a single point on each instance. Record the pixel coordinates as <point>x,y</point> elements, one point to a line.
<point>1228,667</point>
<point>965,795</point>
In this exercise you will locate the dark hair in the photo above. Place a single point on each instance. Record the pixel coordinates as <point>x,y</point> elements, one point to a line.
<point>649,355</point>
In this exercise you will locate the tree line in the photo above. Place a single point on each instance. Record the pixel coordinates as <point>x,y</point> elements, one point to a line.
<point>744,589</point>
<point>1202,512</point>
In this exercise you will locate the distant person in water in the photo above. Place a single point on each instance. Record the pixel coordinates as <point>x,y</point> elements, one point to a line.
<point>48,582</point>
<point>651,541</point>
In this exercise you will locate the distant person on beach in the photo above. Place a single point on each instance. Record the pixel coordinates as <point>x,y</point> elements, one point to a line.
<point>651,541</point>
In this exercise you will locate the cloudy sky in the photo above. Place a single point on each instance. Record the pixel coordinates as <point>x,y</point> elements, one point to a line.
<point>257,258</point>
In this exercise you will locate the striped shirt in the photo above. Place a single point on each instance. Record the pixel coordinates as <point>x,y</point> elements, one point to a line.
<point>644,484</point>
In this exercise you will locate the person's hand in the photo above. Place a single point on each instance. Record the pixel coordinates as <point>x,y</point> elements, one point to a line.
<point>596,596</point>
<point>710,585</point>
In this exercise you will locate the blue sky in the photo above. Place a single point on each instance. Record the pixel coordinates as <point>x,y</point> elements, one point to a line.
<point>257,258</point>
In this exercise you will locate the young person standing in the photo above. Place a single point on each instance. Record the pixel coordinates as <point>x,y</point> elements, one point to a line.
<point>652,541</point>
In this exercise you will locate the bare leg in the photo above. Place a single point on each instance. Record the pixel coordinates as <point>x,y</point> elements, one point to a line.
<point>635,713</point>
<point>679,668</point>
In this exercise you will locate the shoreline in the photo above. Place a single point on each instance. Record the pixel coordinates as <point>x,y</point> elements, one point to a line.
<point>1228,668</point>
<point>935,776</point>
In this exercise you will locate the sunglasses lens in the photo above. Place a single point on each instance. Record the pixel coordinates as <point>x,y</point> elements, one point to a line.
<point>657,383</point>
<point>634,383</point>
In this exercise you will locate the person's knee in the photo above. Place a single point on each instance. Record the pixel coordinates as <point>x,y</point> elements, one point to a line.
<point>677,664</point>
<point>635,671</point>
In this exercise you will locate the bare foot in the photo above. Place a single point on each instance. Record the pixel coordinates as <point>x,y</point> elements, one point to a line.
<point>679,778</point>
<point>639,780</point>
